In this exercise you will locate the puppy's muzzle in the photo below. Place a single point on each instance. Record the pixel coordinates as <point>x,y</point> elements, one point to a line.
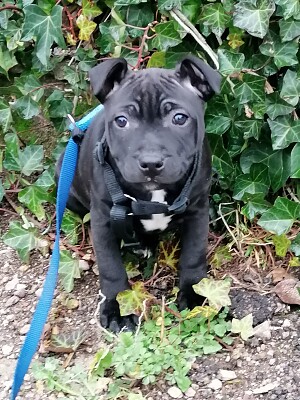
<point>151,165</point>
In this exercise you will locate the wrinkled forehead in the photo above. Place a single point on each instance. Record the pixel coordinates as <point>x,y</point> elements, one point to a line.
<point>152,90</point>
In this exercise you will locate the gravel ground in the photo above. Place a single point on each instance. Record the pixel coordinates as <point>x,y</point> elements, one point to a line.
<point>266,367</point>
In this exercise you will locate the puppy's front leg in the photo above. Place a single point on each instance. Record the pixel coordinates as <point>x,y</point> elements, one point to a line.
<point>192,263</point>
<point>112,274</point>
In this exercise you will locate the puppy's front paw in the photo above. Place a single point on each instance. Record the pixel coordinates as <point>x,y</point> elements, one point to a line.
<point>189,299</point>
<point>111,319</point>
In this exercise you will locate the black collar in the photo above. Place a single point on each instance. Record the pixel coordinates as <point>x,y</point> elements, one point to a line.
<point>124,206</point>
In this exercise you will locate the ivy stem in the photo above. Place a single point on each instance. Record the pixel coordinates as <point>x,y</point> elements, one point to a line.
<point>189,28</point>
<point>12,8</point>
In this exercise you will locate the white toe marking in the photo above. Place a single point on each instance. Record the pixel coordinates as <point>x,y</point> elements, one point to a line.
<point>158,221</point>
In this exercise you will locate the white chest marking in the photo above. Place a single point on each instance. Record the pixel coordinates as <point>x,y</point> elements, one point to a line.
<point>158,221</point>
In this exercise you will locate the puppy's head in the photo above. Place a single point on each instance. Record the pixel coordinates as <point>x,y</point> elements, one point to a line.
<point>154,118</point>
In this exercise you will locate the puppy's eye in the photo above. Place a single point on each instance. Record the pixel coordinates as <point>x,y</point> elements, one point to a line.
<point>179,119</point>
<point>121,121</point>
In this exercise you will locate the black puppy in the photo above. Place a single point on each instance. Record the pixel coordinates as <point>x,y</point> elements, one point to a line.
<point>145,161</point>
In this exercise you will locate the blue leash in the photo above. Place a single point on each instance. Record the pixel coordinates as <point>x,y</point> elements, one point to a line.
<point>44,304</point>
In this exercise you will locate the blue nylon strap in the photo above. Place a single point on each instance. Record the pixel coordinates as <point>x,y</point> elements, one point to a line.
<point>44,304</point>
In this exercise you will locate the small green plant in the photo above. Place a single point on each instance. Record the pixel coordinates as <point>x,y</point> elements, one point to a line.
<point>165,347</point>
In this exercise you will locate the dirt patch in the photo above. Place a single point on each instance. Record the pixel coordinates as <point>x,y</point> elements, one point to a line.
<point>266,367</point>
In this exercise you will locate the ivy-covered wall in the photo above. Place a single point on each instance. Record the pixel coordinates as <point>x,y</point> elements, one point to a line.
<point>47,47</point>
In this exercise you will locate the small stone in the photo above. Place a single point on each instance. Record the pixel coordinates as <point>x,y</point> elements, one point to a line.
<point>11,301</point>
<point>285,335</point>
<point>95,269</point>
<point>226,375</point>
<point>175,392</point>
<point>272,361</point>
<point>20,292</point>
<point>190,392</point>
<point>24,329</point>
<point>6,350</point>
<point>286,323</point>
<point>38,292</point>
<point>263,330</point>
<point>215,384</point>
<point>11,285</point>
<point>265,389</point>
<point>83,265</point>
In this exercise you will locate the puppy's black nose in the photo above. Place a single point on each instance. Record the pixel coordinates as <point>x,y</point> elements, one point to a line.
<point>151,165</point>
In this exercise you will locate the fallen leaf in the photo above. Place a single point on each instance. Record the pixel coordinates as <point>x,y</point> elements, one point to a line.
<point>215,291</point>
<point>243,326</point>
<point>279,274</point>
<point>287,291</point>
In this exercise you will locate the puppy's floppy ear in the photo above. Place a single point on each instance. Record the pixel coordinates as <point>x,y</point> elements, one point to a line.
<point>199,77</point>
<point>105,76</point>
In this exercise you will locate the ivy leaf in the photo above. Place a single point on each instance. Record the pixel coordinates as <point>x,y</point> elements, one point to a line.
<point>219,116</point>
<point>5,116</point>
<point>290,91</point>
<point>2,191</point>
<point>289,29</point>
<point>169,254</point>
<point>284,131</point>
<point>132,270</point>
<point>295,161</point>
<point>131,300</point>
<point>86,27</point>
<point>253,16</point>
<point>277,106</point>
<point>27,107</point>
<point>46,179</point>
<point>128,2</point>
<point>290,7</point>
<point>68,270</point>
<point>23,240</point>
<point>282,244</point>
<point>280,218</point>
<point>139,15</point>
<point>11,160</point>
<point>7,60</point>
<point>257,181</point>
<point>31,159</point>
<point>220,158</point>
<point>220,257</point>
<point>250,89</point>
<point>191,9</point>
<point>90,10</point>
<point>166,36</point>
<point>44,28</point>
<point>167,5</point>
<point>255,204</point>
<point>33,197</point>
<point>277,162</point>
<point>71,225</point>
<point>30,85</point>
<point>66,342</point>
<point>284,54</point>
<point>230,62</point>
<point>243,326</point>
<point>157,60</point>
<point>214,19</point>
<point>295,246</point>
<point>112,35</point>
<point>249,127</point>
<point>204,311</point>
<point>215,291</point>
<point>59,106</point>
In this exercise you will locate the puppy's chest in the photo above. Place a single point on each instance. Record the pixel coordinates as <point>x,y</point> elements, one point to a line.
<point>157,222</point>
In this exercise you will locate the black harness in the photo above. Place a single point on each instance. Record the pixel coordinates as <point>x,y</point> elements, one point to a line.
<point>125,207</point>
